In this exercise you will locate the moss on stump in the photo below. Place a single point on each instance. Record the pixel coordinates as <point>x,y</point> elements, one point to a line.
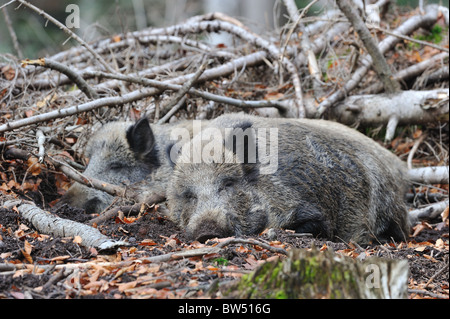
<point>312,274</point>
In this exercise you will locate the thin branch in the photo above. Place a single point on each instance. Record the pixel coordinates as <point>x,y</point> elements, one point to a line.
<point>379,62</point>
<point>11,31</point>
<point>404,37</point>
<point>111,189</point>
<point>70,73</point>
<point>69,32</point>
<point>88,106</point>
<point>389,42</point>
<point>173,104</point>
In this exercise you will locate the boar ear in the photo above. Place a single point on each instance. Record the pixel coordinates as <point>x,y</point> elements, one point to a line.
<point>242,142</point>
<point>244,146</point>
<point>140,137</point>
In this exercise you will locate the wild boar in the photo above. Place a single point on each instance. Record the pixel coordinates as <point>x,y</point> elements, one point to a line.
<point>312,176</point>
<point>125,153</point>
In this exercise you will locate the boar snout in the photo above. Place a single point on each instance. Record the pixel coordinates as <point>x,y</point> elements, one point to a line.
<point>209,229</point>
<point>89,199</point>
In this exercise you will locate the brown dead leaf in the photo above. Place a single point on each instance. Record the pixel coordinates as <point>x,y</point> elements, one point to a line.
<point>125,286</point>
<point>417,133</point>
<point>8,72</point>
<point>77,240</point>
<point>444,214</point>
<point>273,96</point>
<point>46,101</point>
<point>34,167</point>
<point>430,258</point>
<point>251,262</point>
<point>147,242</point>
<point>26,251</point>
<point>420,227</point>
<point>29,113</point>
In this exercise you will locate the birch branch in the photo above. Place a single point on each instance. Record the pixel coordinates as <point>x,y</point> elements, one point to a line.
<point>428,212</point>
<point>429,175</point>
<point>88,106</point>
<point>411,107</point>
<point>55,226</point>
<point>40,141</point>
<point>111,189</point>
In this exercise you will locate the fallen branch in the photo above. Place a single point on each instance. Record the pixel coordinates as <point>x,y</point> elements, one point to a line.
<point>429,175</point>
<point>187,253</point>
<point>222,70</point>
<point>427,213</point>
<point>281,106</point>
<point>130,210</point>
<point>411,107</point>
<point>274,52</point>
<point>88,106</point>
<point>49,224</point>
<point>111,189</point>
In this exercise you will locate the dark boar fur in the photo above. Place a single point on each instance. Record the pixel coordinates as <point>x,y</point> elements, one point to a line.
<point>125,153</point>
<point>331,181</point>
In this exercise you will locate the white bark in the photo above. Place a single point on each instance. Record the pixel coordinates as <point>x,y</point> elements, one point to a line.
<point>411,107</point>
<point>429,175</point>
<point>428,212</point>
<point>52,225</point>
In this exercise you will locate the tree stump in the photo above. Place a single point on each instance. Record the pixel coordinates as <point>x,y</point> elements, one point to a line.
<point>313,274</point>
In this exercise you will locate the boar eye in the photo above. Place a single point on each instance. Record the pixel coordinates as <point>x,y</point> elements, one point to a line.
<point>190,196</point>
<point>228,183</point>
<point>116,165</point>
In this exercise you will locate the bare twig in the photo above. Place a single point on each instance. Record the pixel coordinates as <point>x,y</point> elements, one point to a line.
<point>69,32</point>
<point>11,31</point>
<point>111,189</point>
<point>379,62</point>
<point>40,141</point>
<point>407,27</point>
<point>70,73</point>
<point>404,37</point>
<point>414,149</point>
<point>173,104</point>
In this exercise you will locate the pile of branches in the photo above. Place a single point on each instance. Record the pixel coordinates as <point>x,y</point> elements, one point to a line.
<point>343,65</point>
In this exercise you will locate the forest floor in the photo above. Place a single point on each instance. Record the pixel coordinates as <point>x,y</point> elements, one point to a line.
<point>61,268</point>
